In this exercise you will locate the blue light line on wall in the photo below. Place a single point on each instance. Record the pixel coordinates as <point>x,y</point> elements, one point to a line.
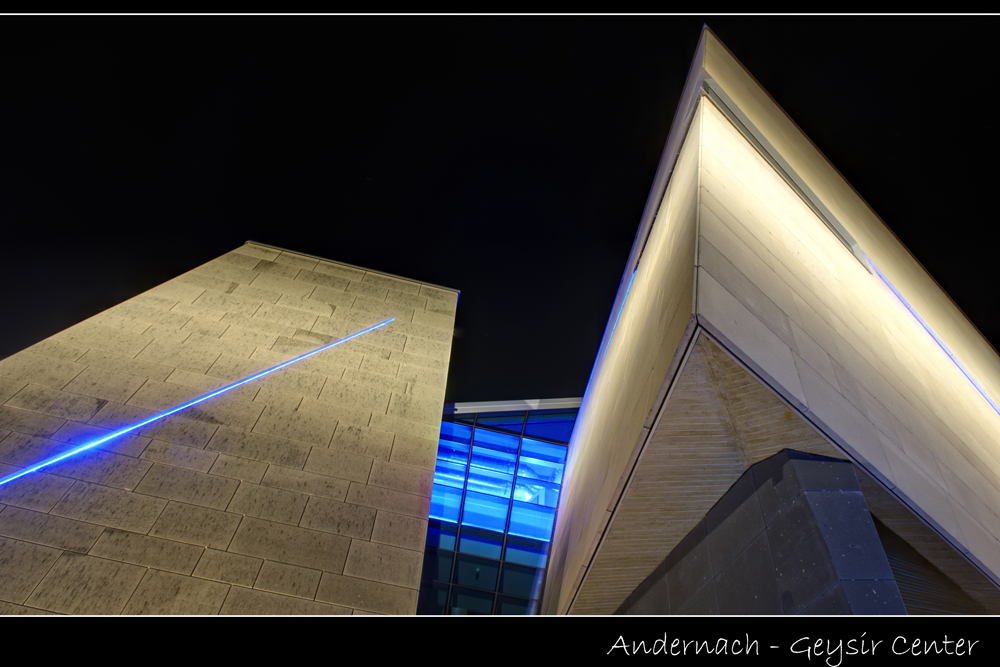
<point>620,309</point>
<point>927,328</point>
<point>72,452</point>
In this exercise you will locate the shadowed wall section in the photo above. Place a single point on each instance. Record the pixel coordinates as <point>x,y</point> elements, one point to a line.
<point>792,535</point>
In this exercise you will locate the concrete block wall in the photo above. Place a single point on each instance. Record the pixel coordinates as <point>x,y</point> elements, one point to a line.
<point>304,492</point>
<point>793,535</point>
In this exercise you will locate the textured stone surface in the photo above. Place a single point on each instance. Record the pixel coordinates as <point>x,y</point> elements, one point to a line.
<point>168,593</point>
<point>228,568</point>
<point>24,564</point>
<point>48,530</point>
<point>79,584</point>
<point>239,504</point>
<point>366,595</point>
<point>820,323</point>
<point>243,601</point>
<point>818,553</point>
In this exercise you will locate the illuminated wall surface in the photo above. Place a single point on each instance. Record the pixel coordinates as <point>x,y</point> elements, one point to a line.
<point>763,306</point>
<point>758,271</point>
<point>305,491</point>
<point>496,490</point>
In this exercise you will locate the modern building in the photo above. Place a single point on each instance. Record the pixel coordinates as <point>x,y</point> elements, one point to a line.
<point>786,415</point>
<point>496,490</point>
<point>765,307</point>
<point>303,491</point>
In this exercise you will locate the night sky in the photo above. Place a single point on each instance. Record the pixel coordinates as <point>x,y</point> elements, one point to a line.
<point>508,157</point>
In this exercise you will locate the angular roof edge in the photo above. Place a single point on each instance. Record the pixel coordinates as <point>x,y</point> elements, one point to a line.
<point>717,74</point>
<point>353,266</point>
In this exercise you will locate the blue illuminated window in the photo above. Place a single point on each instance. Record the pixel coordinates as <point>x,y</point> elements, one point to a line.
<point>453,452</point>
<point>551,424</point>
<point>490,482</point>
<point>493,508</point>
<point>485,511</point>
<point>542,461</point>
<point>460,419</point>
<point>526,551</point>
<point>537,493</point>
<point>532,521</point>
<point>459,433</point>
<point>486,543</point>
<point>511,422</point>
<point>495,451</point>
<point>446,503</point>
<point>450,474</point>
<point>441,534</point>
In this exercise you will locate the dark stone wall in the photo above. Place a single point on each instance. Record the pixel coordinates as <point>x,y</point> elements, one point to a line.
<point>793,535</point>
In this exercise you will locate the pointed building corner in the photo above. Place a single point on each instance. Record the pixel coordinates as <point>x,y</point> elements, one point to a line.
<point>813,329</point>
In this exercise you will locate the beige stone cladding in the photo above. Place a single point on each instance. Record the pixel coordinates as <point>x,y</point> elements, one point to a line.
<point>836,343</point>
<point>303,492</point>
<point>751,236</point>
<point>625,385</point>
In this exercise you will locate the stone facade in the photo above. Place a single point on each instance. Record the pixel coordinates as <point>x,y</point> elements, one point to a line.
<point>751,239</point>
<point>303,492</point>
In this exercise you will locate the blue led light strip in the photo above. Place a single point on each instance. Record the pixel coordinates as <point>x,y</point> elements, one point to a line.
<point>927,328</point>
<point>65,455</point>
<point>620,309</point>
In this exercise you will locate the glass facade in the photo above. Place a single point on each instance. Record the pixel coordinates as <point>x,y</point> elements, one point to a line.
<point>496,491</point>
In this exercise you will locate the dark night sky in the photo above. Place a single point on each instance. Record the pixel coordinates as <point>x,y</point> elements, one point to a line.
<point>508,157</point>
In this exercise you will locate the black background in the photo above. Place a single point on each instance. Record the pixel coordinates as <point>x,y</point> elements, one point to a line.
<point>509,157</point>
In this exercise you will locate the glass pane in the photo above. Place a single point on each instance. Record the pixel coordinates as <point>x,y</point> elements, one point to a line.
<point>551,424</point>
<point>477,572</point>
<point>461,419</point>
<point>491,482</point>
<point>536,493</point>
<point>541,460</point>
<point>433,598</point>
<point>532,521</point>
<point>491,459</point>
<point>454,452</point>
<point>515,606</point>
<point>502,421</point>
<point>525,582</point>
<point>468,601</point>
<point>450,474</point>
<point>441,534</point>
<point>496,451</point>
<point>437,565</point>
<point>526,551</point>
<point>453,432</point>
<point>481,542</point>
<point>483,511</point>
<point>543,451</point>
<point>445,503</point>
